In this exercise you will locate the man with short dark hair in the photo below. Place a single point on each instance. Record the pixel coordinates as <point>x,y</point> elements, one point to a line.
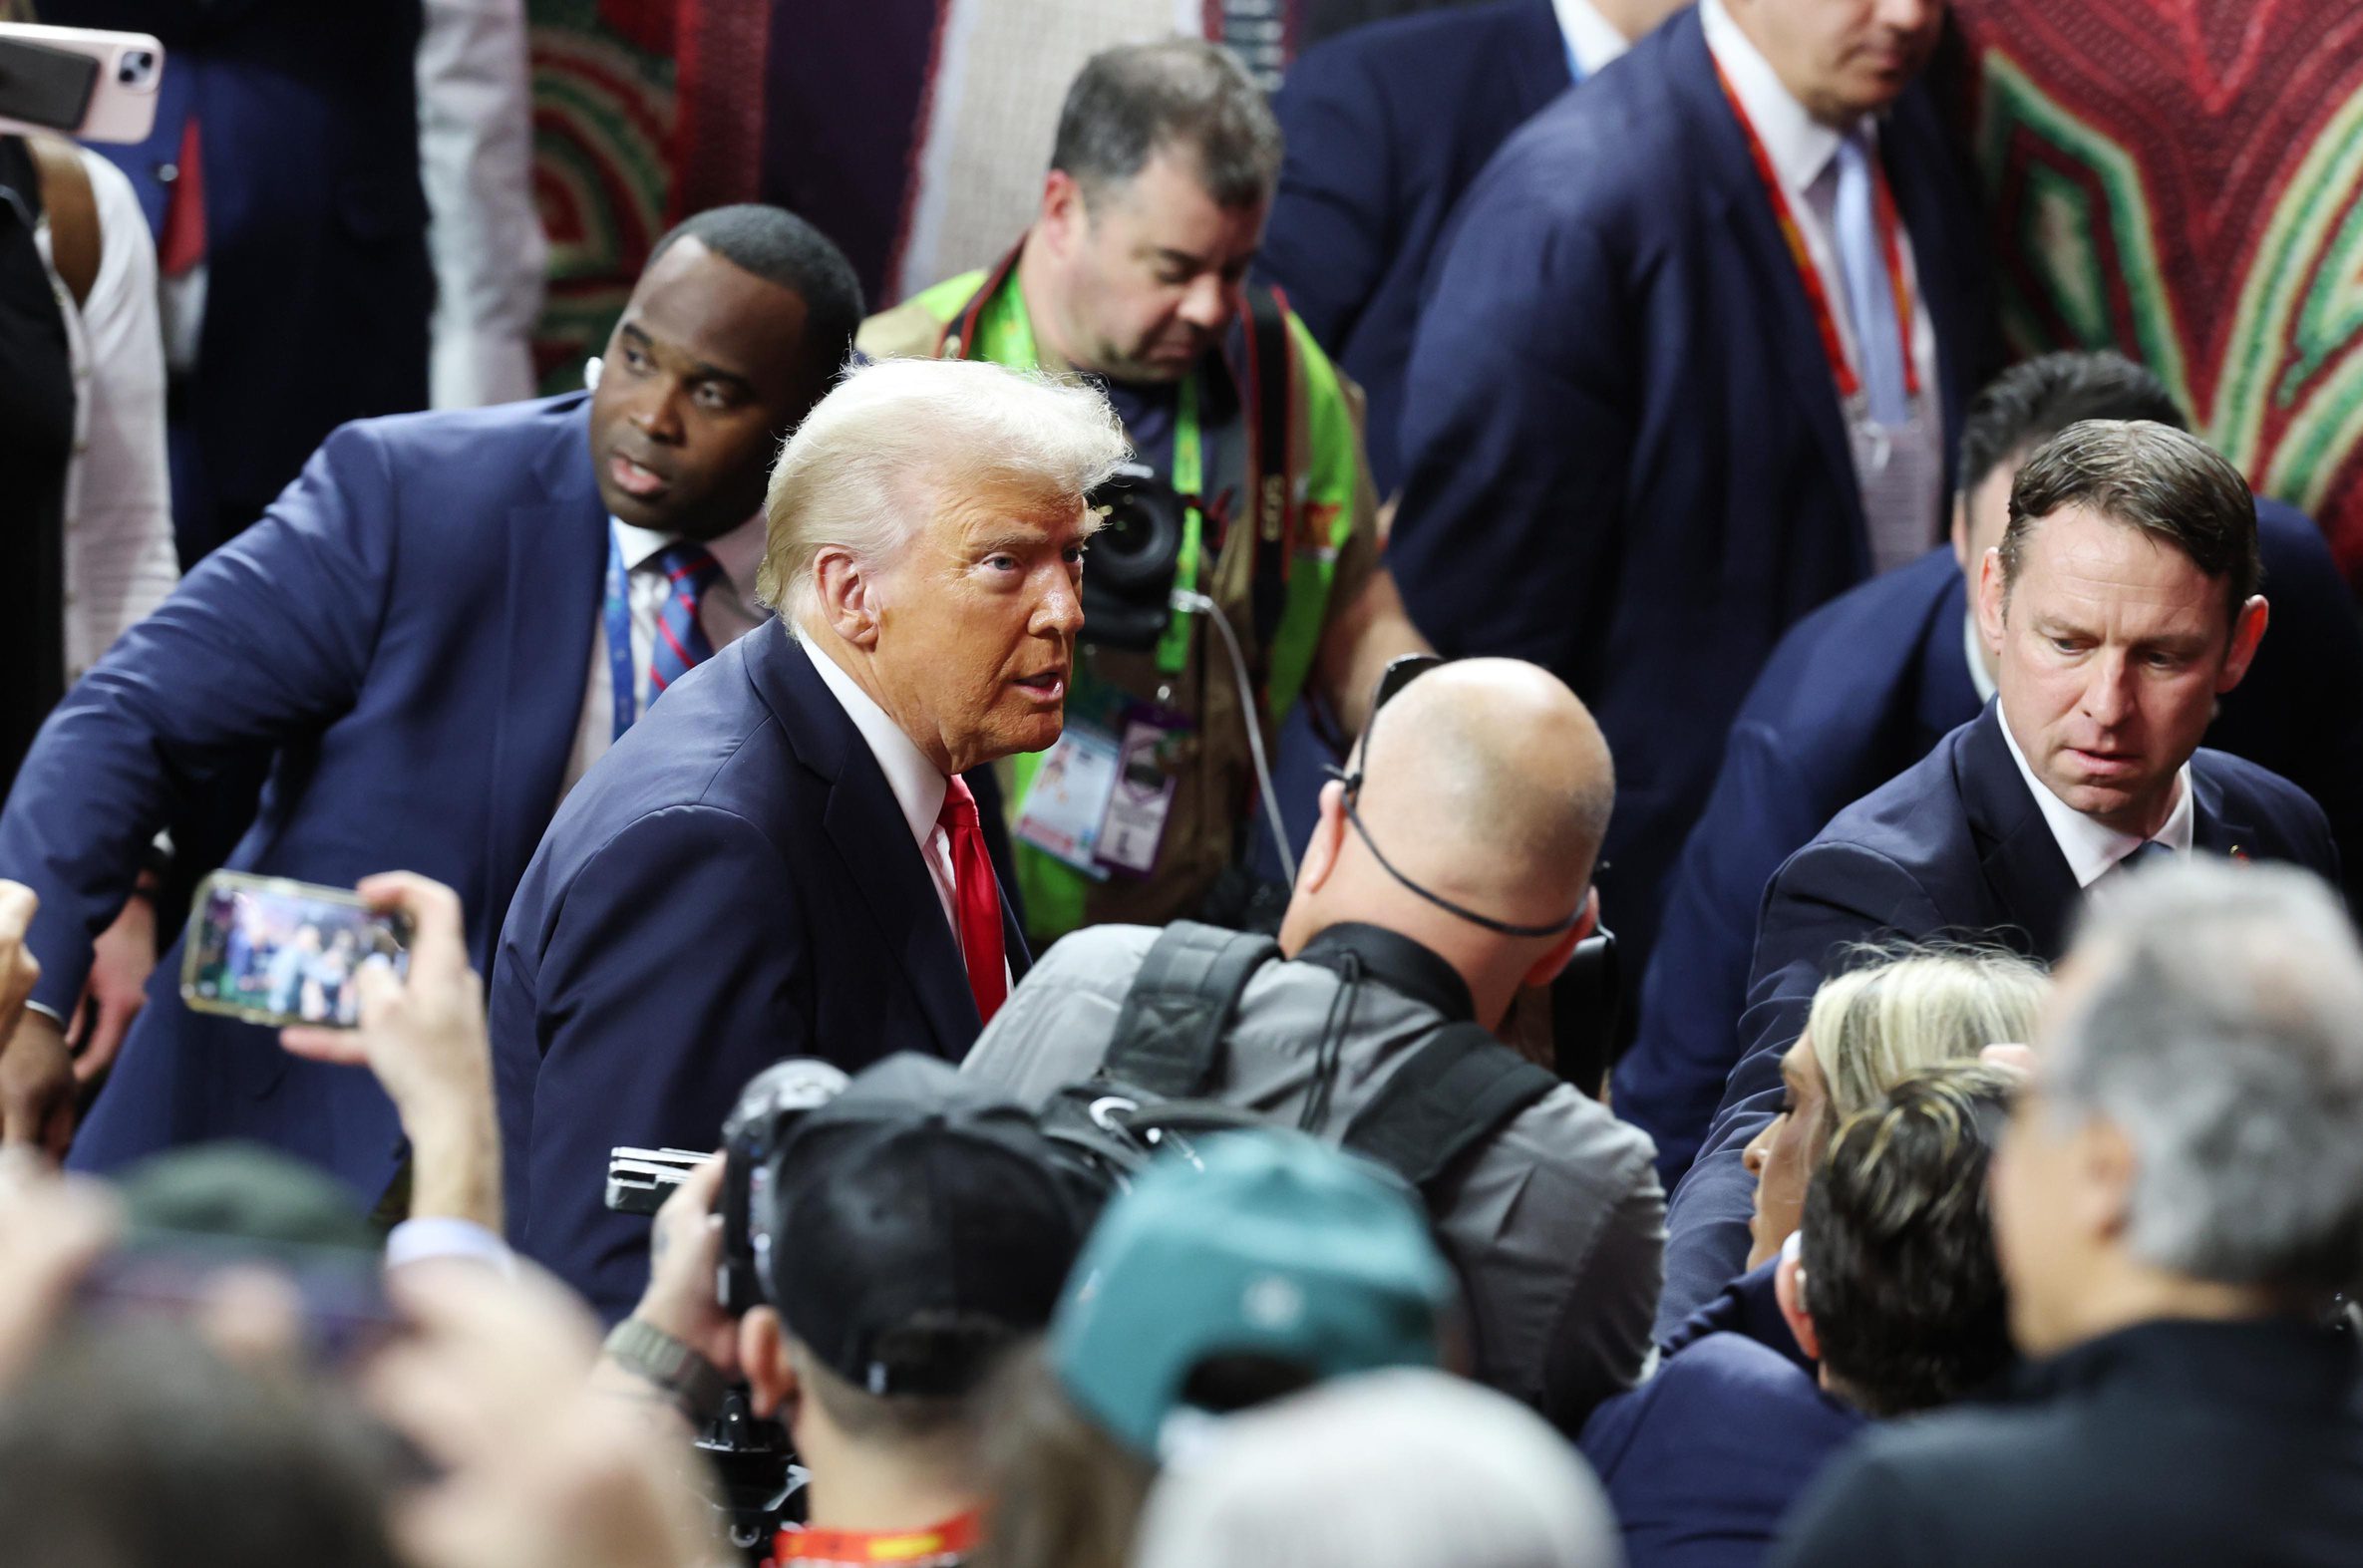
<point>2120,604</point>
<point>428,638</point>
<point>2177,1201</point>
<point>1133,274</point>
<point>914,1228</point>
<point>1891,1296</point>
<point>1863,686</point>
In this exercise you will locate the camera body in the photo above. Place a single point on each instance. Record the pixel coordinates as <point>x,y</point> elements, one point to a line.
<point>1127,590</point>
<point>758,1129</point>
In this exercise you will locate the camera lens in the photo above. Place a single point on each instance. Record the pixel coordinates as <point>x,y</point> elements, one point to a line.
<point>135,67</point>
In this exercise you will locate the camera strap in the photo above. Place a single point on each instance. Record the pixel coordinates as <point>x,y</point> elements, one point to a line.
<point>947,1542</point>
<point>1170,1027</point>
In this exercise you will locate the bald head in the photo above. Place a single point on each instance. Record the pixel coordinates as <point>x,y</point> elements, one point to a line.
<point>1488,781</point>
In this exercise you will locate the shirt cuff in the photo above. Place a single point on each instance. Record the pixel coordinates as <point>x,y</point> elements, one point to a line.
<point>46,1010</point>
<point>443,1236</point>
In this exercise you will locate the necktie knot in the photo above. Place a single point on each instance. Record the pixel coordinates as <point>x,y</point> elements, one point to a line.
<point>959,808</point>
<point>681,641</point>
<point>690,569</point>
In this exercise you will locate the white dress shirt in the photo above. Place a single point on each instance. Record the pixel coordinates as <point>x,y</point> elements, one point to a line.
<point>2092,848</point>
<point>1591,38</point>
<point>727,610</point>
<point>475,165</point>
<point>119,556</point>
<point>1900,471</point>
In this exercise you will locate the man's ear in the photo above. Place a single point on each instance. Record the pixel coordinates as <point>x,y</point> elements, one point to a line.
<point>2105,1168</point>
<point>764,1362</point>
<point>1788,1290</point>
<point>1990,593</point>
<point>1063,216</point>
<point>849,595</point>
<point>1562,952</point>
<point>1328,840</point>
<point>2246,633</point>
<point>1960,537</point>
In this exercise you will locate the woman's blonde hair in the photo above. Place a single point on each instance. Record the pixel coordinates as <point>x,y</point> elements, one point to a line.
<point>1907,1006</point>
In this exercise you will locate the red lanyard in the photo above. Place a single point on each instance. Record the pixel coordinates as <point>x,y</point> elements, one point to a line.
<point>1816,294</point>
<point>941,1543</point>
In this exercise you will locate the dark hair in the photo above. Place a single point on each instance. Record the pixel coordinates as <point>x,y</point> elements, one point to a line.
<point>2165,481</point>
<point>1898,1251</point>
<point>2032,402</point>
<point>141,1448</point>
<point>1131,101</point>
<point>778,246</point>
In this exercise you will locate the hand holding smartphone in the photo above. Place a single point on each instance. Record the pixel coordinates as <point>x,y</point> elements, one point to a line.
<point>277,952</point>
<point>80,82</point>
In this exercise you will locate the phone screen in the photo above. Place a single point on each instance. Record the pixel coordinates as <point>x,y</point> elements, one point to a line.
<point>281,952</point>
<point>45,87</point>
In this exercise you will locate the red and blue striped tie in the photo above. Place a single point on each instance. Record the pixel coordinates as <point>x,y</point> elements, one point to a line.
<point>681,643</point>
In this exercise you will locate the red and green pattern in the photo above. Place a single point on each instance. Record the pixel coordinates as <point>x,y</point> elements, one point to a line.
<point>2182,179</point>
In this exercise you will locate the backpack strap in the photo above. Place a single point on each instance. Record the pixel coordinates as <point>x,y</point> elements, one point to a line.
<point>73,210</point>
<point>1168,1033</point>
<point>1457,1088</point>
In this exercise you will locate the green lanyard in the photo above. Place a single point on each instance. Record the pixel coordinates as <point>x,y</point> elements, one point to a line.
<point>1005,326</point>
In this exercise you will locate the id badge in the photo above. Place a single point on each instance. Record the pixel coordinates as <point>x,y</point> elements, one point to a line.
<point>1142,795</point>
<point>1067,802</point>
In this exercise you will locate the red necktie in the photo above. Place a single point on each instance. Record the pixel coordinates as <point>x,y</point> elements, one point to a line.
<point>976,900</point>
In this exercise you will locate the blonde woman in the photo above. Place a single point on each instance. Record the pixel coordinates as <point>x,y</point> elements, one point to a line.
<point>1901,1008</point>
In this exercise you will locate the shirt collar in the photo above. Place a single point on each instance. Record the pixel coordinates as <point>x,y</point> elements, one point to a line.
<point>1396,962</point>
<point>739,552</point>
<point>918,787</point>
<point>1592,40</point>
<point>1799,146</point>
<point>2090,847</point>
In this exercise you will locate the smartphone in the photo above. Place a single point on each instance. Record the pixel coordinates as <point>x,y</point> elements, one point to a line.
<point>271,951</point>
<point>80,81</point>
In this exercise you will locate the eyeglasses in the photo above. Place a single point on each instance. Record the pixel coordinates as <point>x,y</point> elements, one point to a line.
<point>1398,674</point>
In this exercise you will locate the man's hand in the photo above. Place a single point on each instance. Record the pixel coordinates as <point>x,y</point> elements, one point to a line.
<point>683,1254</point>
<point>36,1071</point>
<point>425,1042</point>
<point>121,959</point>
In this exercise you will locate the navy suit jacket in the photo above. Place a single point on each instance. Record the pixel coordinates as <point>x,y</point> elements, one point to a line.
<point>1953,847</point>
<point>1626,456</point>
<point>404,639</point>
<point>1702,1460</point>
<point>1858,692</point>
<point>318,285</point>
<point>1386,125</point>
<point>732,884</point>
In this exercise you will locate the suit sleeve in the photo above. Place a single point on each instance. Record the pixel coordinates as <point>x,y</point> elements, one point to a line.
<point>1696,986</point>
<point>1326,243</point>
<point>1517,430</point>
<point>1828,896</point>
<point>1603,1339</point>
<point>676,968</point>
<point>1857,1515</point>
<point>267,641</point>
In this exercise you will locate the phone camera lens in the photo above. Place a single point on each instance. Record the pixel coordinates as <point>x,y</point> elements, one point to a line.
<point>135,67</point>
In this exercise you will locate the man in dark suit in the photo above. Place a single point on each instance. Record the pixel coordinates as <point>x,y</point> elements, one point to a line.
<point>419,640</point>
<point>1386,125</point>
<point>284,170</point>
<point>2120,604</point>
<point>1861,688</point>
<point>2177,1199</point>
<point>1641,435</point>
<point>783,860</point>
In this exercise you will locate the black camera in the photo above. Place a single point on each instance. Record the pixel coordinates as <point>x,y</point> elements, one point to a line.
<point>1127,588</point>
<point>769,1108</point>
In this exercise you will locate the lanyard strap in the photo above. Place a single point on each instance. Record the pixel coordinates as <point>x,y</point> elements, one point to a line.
<point>623,689</point>
<point>1817,294</point>
<point>952,1539</point>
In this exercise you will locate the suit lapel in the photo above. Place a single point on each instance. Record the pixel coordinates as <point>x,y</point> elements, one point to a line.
<point>2027,878</point>
<point>1787,315</point>
<point>872,836</point>
<point>1916,160</point>
<point>2212,829</point>
<point>556,556</point>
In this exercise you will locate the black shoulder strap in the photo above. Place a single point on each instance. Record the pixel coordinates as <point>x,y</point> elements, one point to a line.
<point>1170,1030</point>
<point>1273,503</point>
<point>1460,1086</point>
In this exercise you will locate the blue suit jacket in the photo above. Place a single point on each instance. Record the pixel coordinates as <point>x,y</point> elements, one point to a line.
<point>1626,456</point>
<point>1954,847</point>
<point>1702,1460</point>
<point>1386,125</point>
<point>318,285</point>
<point>1858,692</point>
<point>404,637</point>
<point>732,884</point>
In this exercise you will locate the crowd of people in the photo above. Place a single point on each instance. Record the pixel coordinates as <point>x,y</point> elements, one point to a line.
<point>1816,1020</point>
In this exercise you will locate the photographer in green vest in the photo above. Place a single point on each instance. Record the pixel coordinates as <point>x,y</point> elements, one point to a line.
<point>1239,567</point>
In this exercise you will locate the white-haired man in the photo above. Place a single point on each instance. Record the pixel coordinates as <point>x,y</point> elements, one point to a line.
<point>782,860</point>
<point>2177,1202</point>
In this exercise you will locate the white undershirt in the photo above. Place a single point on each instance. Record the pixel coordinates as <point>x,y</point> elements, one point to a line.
<point>2091,849</point>
<point>1591,38</point>
<point>727,611</point>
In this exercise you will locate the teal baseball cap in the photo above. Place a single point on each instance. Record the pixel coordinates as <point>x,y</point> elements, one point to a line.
<point>1268,1244</point>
